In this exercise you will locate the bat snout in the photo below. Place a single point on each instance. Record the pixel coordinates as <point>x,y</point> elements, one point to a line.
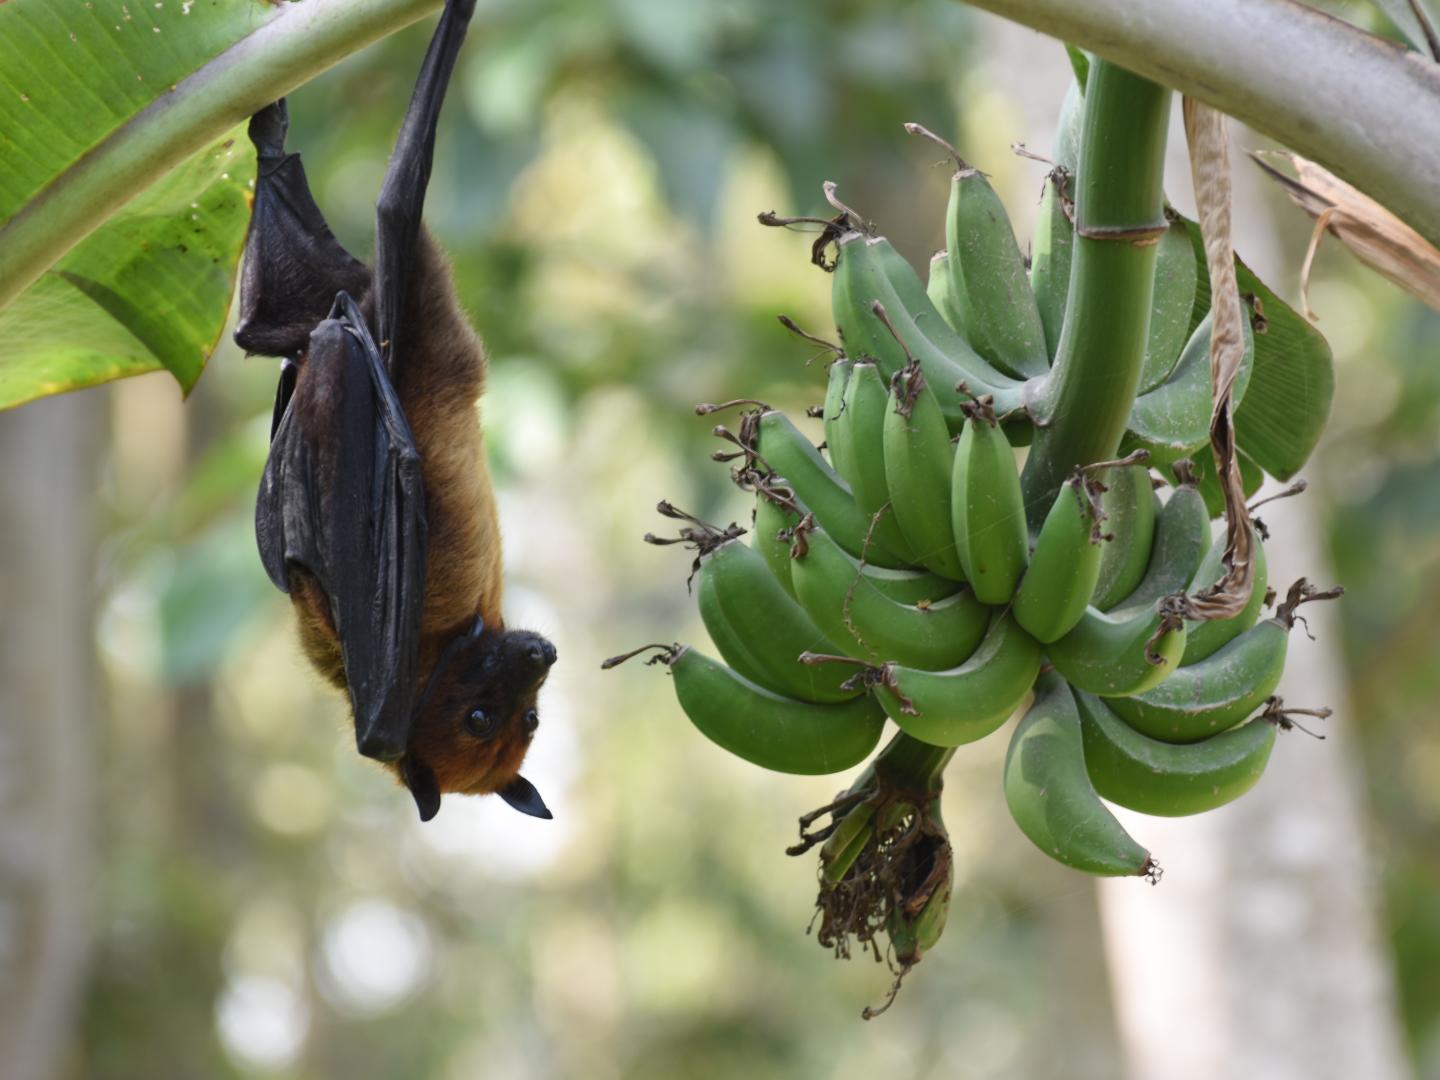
<point>380,746</point>
<point>532,650</point>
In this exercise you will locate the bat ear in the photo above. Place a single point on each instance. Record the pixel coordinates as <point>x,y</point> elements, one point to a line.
<point>521,794</point>
<point>420,779</point>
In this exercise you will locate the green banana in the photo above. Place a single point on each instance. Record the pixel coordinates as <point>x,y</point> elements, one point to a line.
<point>870,270</point>
<point>1130,507</point>
<point>1158,778</point>
<point>759,630</point>
<point>1171,306</point>
<point>1182,537</point>
<point>919,461</point>
<point>1053,244</point>
<point>987,509</point>
<point>867,625</point>
<point>1050,795</point>
<point>772,518</point>
<point>767,729</point>
<point>1117,657</point>
<point>780,445</point>
<point>1218,692</point>
<point>1060,580</point>
<point>1203,638</point>
<point>966,703</point>
<point>937,287</point>
<point>1172,420</point>
<point>1050,252</point>
<point>1213,694</point>
<point>863,420</point>
<point>989,292</point>
<point>836,437</point>
<point>783,511</point>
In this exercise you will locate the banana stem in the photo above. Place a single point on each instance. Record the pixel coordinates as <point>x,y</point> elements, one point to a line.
<point>908,764</point>
<point>1119,217</point>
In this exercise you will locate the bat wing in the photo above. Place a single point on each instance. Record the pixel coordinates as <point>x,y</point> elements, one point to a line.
<point>342,498</point>
<point>293,267</point>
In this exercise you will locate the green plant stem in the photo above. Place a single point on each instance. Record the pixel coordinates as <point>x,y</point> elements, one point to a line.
<point>295,45</point>
<point>908,764</point>
<point>1365,109</point>
<point>1119,216</point>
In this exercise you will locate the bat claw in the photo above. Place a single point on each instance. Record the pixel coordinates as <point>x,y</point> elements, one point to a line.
<point>268,129</point>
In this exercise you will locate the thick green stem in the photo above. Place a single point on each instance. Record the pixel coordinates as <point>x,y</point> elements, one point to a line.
<point>911,765</point>
<point>1119,217</point>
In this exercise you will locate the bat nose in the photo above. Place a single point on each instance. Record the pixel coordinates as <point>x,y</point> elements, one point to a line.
<point>381,747</point>
<point>542,652</point>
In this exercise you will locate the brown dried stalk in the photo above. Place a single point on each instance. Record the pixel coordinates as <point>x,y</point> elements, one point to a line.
<point>1210,168</point>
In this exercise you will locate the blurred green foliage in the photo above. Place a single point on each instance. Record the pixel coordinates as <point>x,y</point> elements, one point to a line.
<point>1383,478</point>
<point>268,906</point>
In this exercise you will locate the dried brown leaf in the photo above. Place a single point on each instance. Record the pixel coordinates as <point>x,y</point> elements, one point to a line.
<point>1210,168</point>
<point>1373,234</point>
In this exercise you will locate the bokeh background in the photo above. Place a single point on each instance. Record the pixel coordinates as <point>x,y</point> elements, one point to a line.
<point>240,896</point>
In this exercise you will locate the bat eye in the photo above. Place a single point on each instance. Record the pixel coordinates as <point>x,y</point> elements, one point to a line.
<point>482,724</point>
<point>532,720</point>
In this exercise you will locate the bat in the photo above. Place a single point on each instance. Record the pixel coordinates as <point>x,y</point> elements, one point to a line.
<point>376,512</point>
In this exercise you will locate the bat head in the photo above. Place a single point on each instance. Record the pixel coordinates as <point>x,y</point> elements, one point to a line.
<point>476,718</point>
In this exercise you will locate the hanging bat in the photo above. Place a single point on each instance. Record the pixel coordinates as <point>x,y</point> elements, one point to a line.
<point>376,512</point>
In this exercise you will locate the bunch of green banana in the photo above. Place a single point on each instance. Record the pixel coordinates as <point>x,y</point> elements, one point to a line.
<point>918,566</point>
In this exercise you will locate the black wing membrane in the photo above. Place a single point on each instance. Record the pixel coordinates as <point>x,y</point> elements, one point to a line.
<point>342,498</point>
<point>294,267</point>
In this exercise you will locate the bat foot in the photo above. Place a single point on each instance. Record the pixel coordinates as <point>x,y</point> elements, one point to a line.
<point>268,129</point>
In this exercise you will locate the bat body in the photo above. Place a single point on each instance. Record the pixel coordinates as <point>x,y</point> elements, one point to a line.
<point>376,512</point>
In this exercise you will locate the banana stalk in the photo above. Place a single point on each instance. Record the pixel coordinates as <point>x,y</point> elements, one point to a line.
<point>1119,218</point>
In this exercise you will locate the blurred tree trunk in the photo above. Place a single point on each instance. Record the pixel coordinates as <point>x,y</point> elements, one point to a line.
<point>47,728</point>
<point>1263,958</point>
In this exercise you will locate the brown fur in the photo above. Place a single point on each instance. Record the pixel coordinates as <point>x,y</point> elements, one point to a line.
<point>440,383</point>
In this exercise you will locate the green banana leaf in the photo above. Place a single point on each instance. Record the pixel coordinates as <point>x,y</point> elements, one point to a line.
<point>151,287</point>
<point>124,191</point>
<point>1292,385</point>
